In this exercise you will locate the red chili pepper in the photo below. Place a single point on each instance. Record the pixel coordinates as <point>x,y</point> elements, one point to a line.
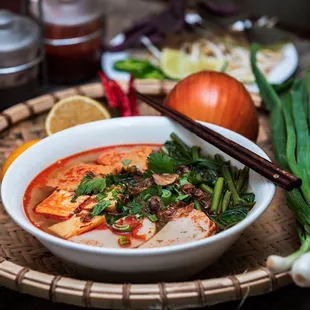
<point>132,96</point>
<point>123,99</point>
<point>109,91</point>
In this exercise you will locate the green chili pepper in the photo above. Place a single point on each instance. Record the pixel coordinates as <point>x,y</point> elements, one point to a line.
<point>166,196</point>
<point>154,74</point>
<point>132,65</point>
<point>141,69</point>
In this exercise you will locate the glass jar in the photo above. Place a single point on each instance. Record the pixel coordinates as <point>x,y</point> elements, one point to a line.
<point>72,34</point>
<point>11,5</point>
<point>19,58</point>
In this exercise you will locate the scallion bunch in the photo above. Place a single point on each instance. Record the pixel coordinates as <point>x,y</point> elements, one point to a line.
<point>289,124</point>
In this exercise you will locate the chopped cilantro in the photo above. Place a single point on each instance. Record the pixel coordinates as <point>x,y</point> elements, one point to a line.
<point>111,219</point>
<point>147,174</point>
<point>159,190</point>
<point>183,180</point>
<point>182,197</point>
<point>135,207</point>
<point>160,163</point>
<point>100,207</point>
<point>126,162</point>
<point>121,177</point>
<point>119,207</point>
<point>151,191</point>
<point>114,193</point>
<point>89,186</point>
<point>100,197</point>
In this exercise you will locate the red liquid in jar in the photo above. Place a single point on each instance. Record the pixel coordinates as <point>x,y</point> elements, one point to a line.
<point>12,5</point>
<point>73,63</point>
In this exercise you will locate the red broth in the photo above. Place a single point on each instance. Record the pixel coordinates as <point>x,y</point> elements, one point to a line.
<point>44,183</point>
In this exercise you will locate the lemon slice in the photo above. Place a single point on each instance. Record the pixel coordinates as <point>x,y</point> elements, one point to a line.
<point>177,65</point>
<point>72,111</point>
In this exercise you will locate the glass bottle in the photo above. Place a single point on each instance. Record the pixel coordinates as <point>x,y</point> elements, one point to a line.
<point>19,58</point>
<point>73,37</point>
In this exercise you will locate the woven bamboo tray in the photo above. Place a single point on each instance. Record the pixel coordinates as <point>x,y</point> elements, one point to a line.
<point>26,266</point>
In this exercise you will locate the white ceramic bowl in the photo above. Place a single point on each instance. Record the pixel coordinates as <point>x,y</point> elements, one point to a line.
<point>166,263</point>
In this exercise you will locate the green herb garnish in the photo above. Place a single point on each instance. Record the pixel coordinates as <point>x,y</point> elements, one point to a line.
<point>90,186</point>
<point>100,207</point>
<point>184,180</point>
<point>114,193</point>
<point>160,163</point>
<point>147,197</point>
<point>100,197</point>
<point>231,217</point>
<point>152,217</point>
<point>126,162</point>
<point>182,197</point>
<point>111,219</point>
<point>135,207</point>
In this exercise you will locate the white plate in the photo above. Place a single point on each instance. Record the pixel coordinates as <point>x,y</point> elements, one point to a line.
<point>278,75</point>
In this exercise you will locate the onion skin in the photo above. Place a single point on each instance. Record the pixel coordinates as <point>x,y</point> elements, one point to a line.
<point>216,98</point>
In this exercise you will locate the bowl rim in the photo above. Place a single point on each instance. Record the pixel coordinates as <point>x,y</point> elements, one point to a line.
<point>56,241</point>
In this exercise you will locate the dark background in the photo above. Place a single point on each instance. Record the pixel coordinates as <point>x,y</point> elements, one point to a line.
<point>288,298</point>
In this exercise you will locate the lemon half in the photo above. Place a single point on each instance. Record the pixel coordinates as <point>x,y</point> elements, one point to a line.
<point>72,111</point>
<point>177,64</point>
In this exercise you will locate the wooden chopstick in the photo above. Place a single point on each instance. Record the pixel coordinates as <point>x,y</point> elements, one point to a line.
<point>259,164</point>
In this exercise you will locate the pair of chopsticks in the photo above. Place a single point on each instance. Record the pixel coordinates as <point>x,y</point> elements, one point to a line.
<point>259,164</point>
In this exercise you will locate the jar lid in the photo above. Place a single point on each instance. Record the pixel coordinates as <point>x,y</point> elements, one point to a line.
<point>68,12</point>
<point>17,33</point>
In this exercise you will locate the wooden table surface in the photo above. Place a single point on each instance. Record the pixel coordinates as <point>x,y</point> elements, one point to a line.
<point>119,15</point>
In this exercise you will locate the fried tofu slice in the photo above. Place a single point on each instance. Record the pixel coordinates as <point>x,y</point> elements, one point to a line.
<point>187,225</point>
<point>58,205</point>
<point>76,225</point>
<point>107,239</point>
<point>137,157</point>
<point>89,203</point>
<point>71,178</point>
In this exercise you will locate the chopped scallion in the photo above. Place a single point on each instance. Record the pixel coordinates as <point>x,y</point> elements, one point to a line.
<point>166,197</point>
<point>123,240</point>
<point>123,228</point>
<point>152,217</point>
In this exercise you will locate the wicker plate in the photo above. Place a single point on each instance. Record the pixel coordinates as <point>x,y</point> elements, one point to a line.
<point>26,266</point>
